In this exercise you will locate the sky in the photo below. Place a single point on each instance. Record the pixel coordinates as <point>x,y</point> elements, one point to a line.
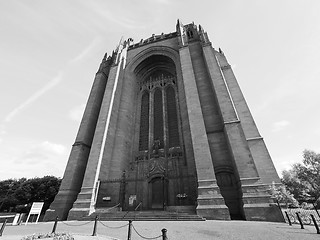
<point>50,51</point>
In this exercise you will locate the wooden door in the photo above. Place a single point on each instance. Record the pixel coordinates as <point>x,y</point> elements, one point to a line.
<point>157,193</point>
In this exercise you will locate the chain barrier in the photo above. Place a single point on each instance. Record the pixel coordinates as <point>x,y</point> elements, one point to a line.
<point>75,225</point>
<point>113,227</point>
<point>143,236</point>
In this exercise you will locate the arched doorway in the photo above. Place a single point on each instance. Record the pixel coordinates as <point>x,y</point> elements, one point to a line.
<point>157,197</point>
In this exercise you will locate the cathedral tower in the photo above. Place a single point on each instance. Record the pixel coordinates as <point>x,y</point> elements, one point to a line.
<point>166,126</point>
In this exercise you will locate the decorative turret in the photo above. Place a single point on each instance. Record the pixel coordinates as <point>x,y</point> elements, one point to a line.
<point>190,33</point>
<point>203,35</point>
<point>181,33</point>
<point>106,63</point>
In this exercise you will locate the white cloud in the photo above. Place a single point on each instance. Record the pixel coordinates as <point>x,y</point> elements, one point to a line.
<point>34,97</point>
<point>112,16</point>
<point>86,51</point>
<point>41,152</point>
<point>279,126</point>
<point>31,159</point>
<point>52,148</point>
<point>2,132</point>
<point>317,131</point>
<point>2,129</point>
<point>76,113</point>
<point>167,2</point>
<point>285,162</point>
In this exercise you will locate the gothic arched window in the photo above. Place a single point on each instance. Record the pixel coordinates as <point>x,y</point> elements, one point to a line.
<point>144,122</point>
<point>189,34</point>
<point>159,126</point>
<point>172,118</point>
<point>158,117</point>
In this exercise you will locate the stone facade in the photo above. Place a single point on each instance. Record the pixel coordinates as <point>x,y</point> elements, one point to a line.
<point>166,127</point>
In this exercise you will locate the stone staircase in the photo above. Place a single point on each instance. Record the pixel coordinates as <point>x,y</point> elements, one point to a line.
<point>145,216</point>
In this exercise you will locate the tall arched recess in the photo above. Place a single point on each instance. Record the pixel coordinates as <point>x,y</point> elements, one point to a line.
<point>164,157</point>
<point>144,122</point>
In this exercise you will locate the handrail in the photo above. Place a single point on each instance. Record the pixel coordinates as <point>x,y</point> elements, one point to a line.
<point>113,207</point>
<point>106,210</point>
<point>138,206</point>
<point>134,210</point>
<point>96,190</point>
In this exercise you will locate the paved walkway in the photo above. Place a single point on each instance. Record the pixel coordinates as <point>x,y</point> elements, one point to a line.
<point>203,230</point>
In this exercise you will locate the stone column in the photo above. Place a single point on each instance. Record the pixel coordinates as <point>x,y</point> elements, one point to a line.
<point>255,197</point>
<point>76,166</point>
<point>258,149</point>
<point>210,202</point>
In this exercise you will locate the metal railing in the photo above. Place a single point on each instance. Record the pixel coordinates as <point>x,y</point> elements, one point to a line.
<point>135,210</point>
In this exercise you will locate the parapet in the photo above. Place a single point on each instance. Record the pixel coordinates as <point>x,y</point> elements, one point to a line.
<point>153,38</point>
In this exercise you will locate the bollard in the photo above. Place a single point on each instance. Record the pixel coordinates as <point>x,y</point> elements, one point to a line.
<point>129,229</point>
<point>315,223</point>
<point>288,218</point>
<point>55,225</point>
<point>300,221</point>
<point>164,234</point>
<point>3,226</point>
<point>95,226</point>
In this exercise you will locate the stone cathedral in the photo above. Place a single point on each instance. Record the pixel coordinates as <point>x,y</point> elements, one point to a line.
<point>167,128</point>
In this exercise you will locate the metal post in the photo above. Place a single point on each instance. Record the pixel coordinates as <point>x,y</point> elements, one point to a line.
<point>55,225</point>
<point>315,208</point>
<point>129,229</point>
<point>3,226</point>
<point>94,233</point>
<point>288,218</point>
<point>300,221</point>
<point>315,223</point>
<point>164,234</point>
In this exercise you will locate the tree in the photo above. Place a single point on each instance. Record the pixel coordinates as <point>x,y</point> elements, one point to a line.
<point>293,184</point>
<point>282,195</point>
<point>25,191</point>
<point>309,172</point>
<point>7,188</point>
<point>303,180</point>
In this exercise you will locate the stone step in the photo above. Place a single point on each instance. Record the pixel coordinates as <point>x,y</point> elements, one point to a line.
<point>145,216</point>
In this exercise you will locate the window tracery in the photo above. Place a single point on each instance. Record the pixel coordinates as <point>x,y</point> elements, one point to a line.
<point>160,80</point>
<point>144,122</point>
<point>158,93</point>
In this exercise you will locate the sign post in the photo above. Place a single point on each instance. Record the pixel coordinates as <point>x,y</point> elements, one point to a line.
<point>36,210</point>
